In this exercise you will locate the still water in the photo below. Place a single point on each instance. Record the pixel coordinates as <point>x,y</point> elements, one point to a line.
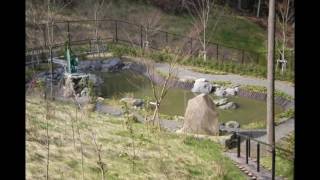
<point>126,83</point>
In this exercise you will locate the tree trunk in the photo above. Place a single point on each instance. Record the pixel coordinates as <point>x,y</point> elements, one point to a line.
<point>258,8</point>
<point>204,42</point>
<point>239,5</point>
<point>270,89</point>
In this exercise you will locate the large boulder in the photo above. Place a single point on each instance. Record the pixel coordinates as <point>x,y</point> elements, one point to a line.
<point>229,141</point>
<point>229,105</point>
<point>132,101</point>
<point>112,65</point>
<point>220,92</point>
<point>140,68</point>
<point>231,91</point>
<point>202,86</point>
<point>85,66</point>
<point>232,124</point>
<point>220,102</point>
<point>75,85</point>
<point>201,116</point>
<point>84,92</point>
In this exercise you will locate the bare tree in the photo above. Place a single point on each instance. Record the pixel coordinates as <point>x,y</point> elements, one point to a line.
<point>96,10</point>
<point>159,86</point>
<point>158,94</point>
<point>53,9</point>
<point>258,8</point>
<point>200,12</point>
<point>98,148</point>
<point>47,117</point>
<point>283,20</point>
<point>151,25</point>
<point>33,19</point>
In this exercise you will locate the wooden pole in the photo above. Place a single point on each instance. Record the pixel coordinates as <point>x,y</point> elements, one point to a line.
<point>270,89</point>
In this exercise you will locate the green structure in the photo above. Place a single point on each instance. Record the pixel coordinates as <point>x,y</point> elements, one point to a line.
<point>72,60</point>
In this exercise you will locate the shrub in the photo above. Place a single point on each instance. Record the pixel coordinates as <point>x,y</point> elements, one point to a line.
<point>258,70</point>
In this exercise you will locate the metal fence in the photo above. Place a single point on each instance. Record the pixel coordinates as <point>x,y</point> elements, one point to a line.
<point>261,149</point>
<point>84,31</point>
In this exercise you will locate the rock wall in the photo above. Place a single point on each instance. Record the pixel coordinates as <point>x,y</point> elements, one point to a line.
<point>283,102</point>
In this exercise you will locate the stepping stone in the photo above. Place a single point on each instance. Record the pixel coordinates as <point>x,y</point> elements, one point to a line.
<point>253,177</point>
<point>246,171</point>
<point>250,174</point>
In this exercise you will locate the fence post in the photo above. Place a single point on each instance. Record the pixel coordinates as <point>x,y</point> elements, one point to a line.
<point>273,162</point>
<point>258,157</point>
<point>141,41</point>
<point>239,143</point>
<point>247,144</point>
<point>217,52</point>
<point>249,147</point>
<point>191,50</point>
<point>44,35</point>
<point>68,30</point>
<point>116,24</point>
<point>242,59</point>
<point>166,38</point>
<point>51,74</point>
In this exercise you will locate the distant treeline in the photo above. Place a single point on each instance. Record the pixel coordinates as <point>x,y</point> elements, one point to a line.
<point>243,7</point>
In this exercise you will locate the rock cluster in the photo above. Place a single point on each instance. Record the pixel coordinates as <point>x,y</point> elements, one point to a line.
<point>133,101</point>
<point>223,91</point>
<point>224,104</point>
<point>109,65</point>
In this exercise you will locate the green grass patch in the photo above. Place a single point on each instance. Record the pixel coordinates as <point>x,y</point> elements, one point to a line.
<point>157,154</point>
<point>284,167</point>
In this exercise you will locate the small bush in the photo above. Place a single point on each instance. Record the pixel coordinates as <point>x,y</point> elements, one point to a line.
<point>258,69</point>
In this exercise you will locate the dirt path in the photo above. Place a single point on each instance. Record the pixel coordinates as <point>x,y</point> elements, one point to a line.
<point>281,130</point>
<point>183,72</point>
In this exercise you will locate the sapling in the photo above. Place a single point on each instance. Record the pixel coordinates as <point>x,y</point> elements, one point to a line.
<point>72,127</point>
<point>129,127</point>
<point>100,163</point>
<point>47,135</point>
<point>78,106</point>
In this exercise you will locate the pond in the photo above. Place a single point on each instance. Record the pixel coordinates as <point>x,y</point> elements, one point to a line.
<point>121,84</point>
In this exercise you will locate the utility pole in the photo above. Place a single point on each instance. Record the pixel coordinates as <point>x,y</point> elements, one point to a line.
<point>270,89</point>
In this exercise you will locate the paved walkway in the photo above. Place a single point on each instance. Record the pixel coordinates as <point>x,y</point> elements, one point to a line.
<point>183,72</point>
<point>282,130</point>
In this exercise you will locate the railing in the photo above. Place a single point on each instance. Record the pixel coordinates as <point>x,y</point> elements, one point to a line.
<point>248,140</point>
<point>135,34</point>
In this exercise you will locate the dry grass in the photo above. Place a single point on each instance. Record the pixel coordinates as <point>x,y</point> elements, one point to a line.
<point>157,155</point>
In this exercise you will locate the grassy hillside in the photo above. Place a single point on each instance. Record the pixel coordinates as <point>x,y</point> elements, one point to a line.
<point>72,148</point>
<point>231,30</point>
